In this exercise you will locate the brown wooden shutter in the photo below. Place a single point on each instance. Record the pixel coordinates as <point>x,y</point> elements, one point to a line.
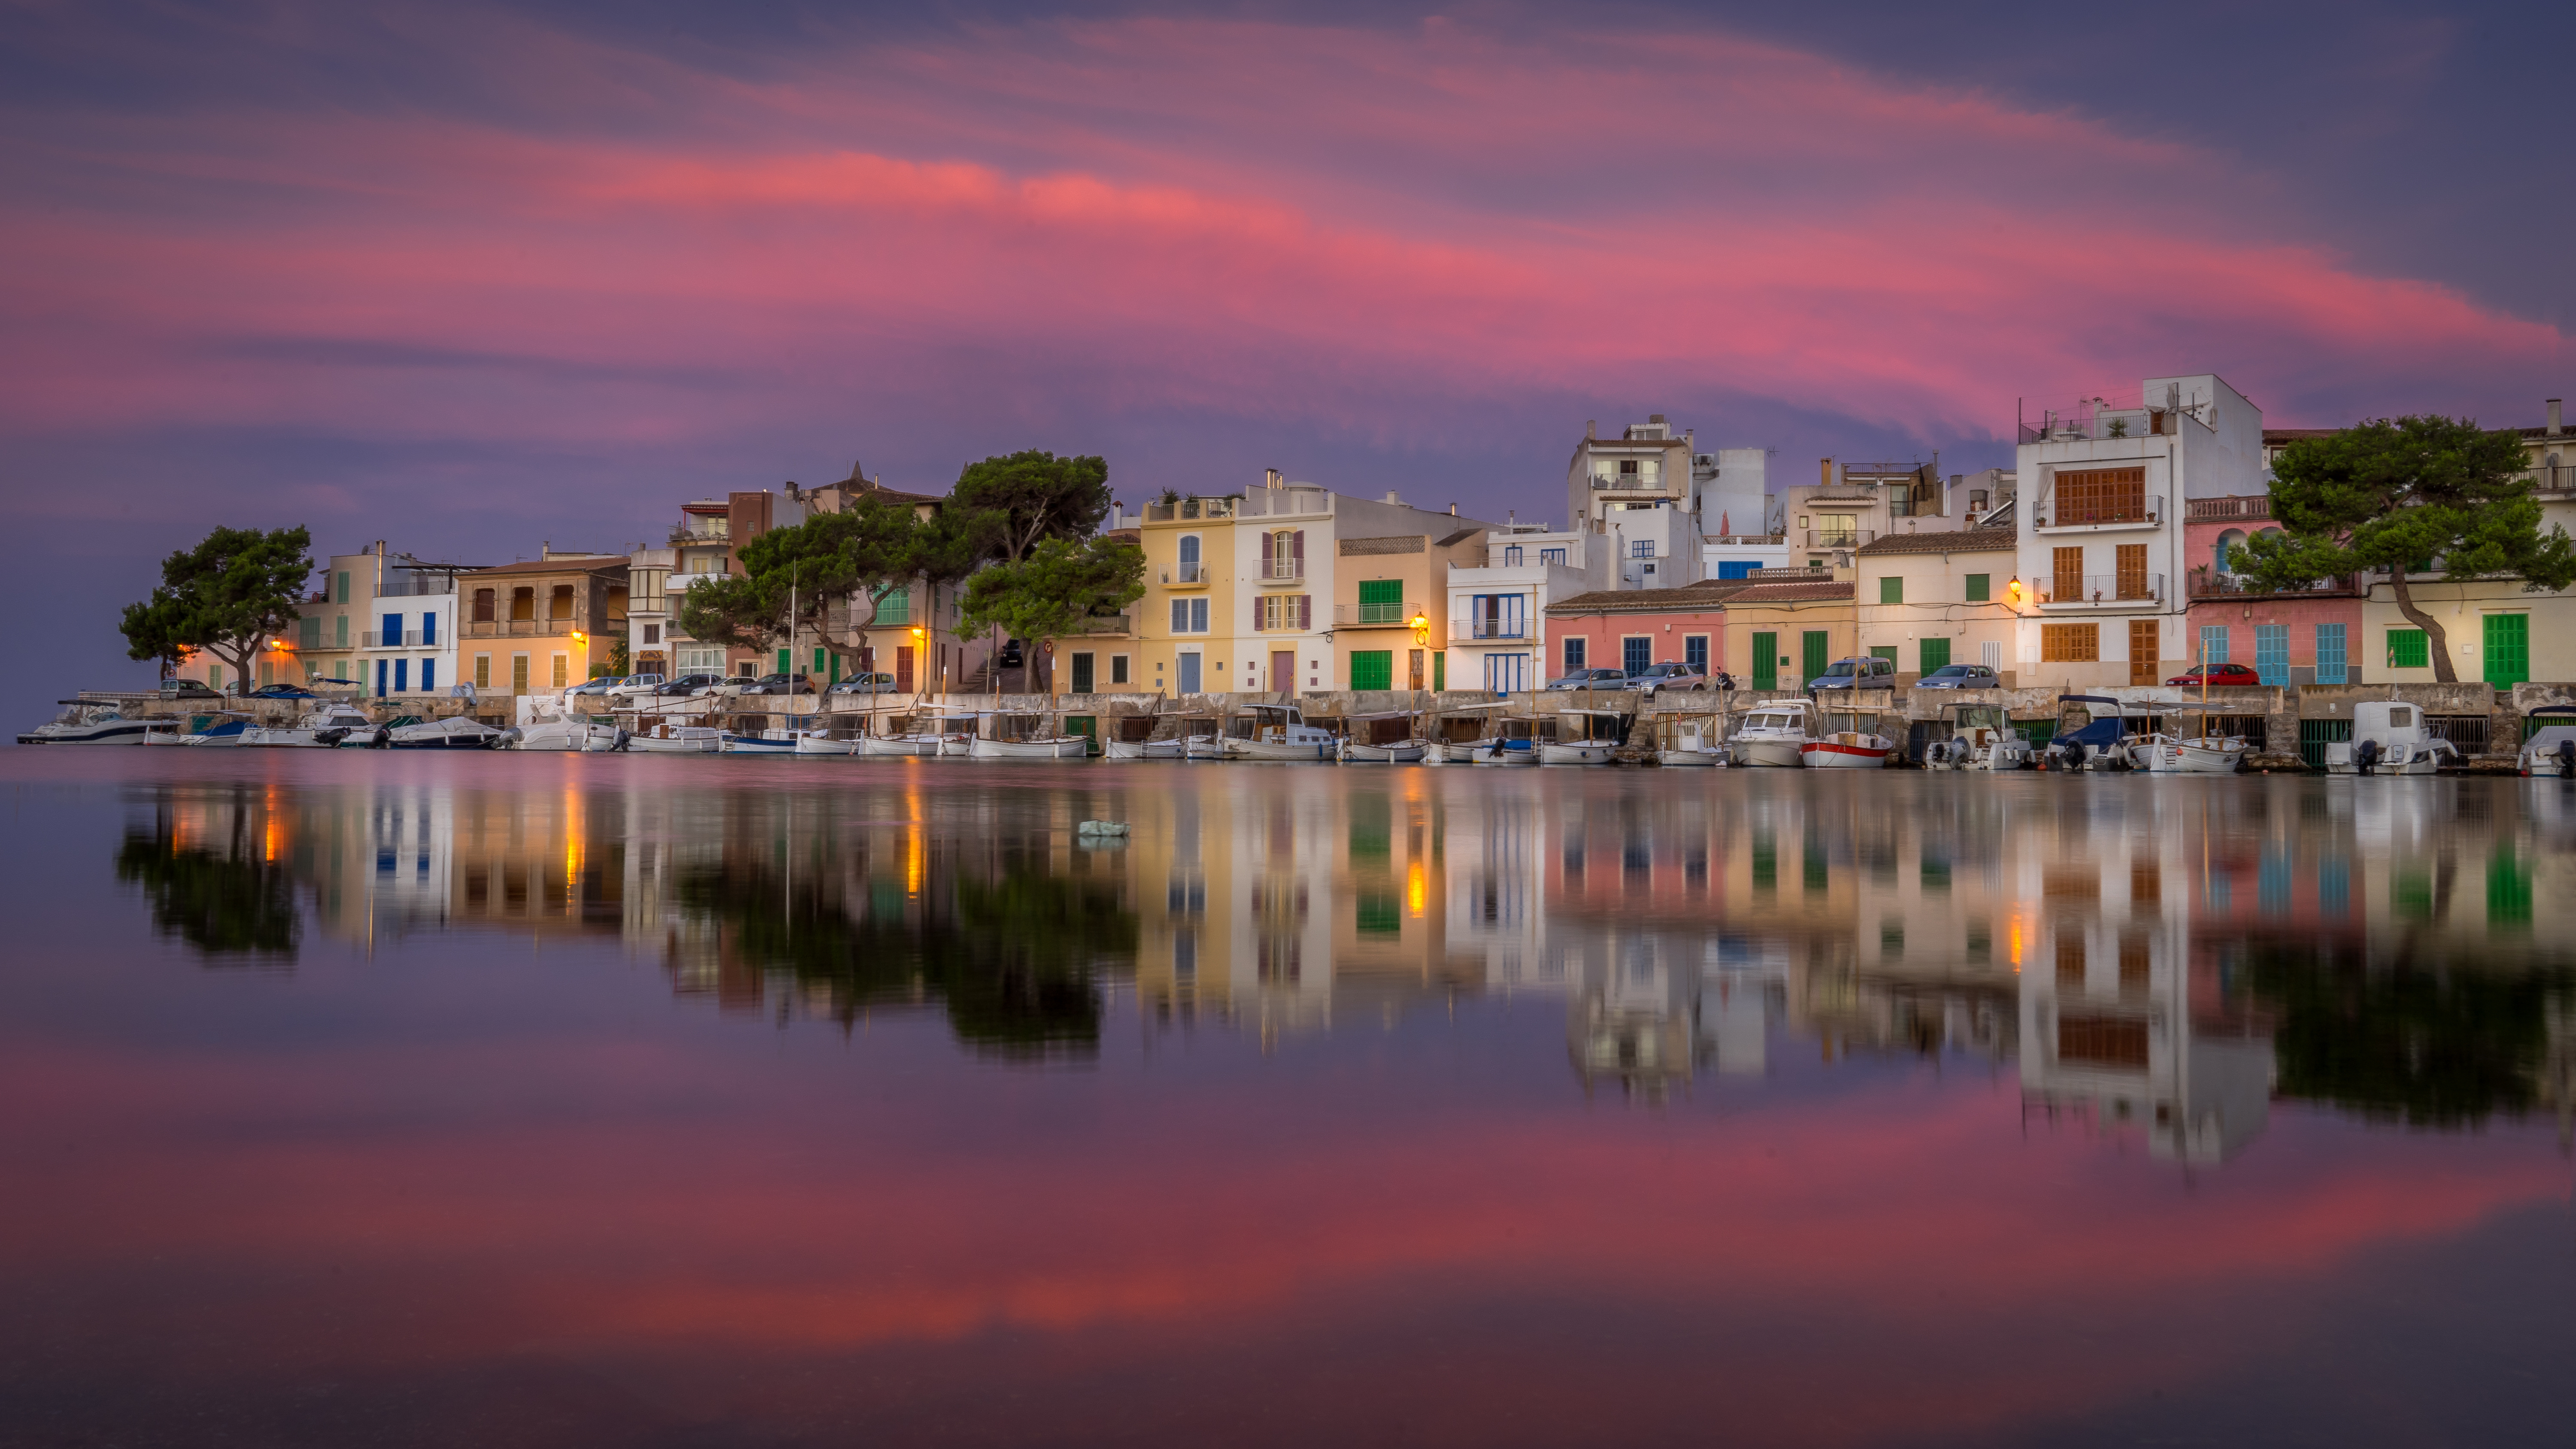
<point>1261,612</point>
<point>1297,543</point>
<point>2068,583</point>
<point>2133,570</point>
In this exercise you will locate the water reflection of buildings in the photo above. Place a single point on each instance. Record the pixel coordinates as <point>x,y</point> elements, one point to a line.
<point>2156,958</point>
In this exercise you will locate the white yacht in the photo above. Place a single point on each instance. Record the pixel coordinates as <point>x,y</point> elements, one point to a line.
<point>96,724</point>
<point>2389,738</point>
<point>1774,734</point>
<point>457,732</point>
<point>320,729</point>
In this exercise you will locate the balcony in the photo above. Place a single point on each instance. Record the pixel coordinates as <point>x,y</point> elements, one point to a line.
<point>1107,624</point>
<point>679,582</point>
<point>1282,571</point>
<point>1190,509</point>
<point>2202,584</point>
<point>517,628</point>
<point>402,639</point>
<point>1186,575</point>
<point>1745,540</point>
<point>1629,482</point>
<point>2105,591</point>
<point>717,531</point>
<point>1491,629</point>
<point>1375,616</point>
<point>2061,516</point>
<point>1840,537</point>
<point>2226,510</point>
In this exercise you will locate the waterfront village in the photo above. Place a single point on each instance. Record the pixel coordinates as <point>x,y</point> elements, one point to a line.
<point>2104,566</point>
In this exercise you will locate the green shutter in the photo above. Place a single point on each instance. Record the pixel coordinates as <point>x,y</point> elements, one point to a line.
<point>2508,641</point>
<point>1082,675</point>
<point>1440,669</point>
<point>1818,647</point>
<point>2407,650</point>
<point>1373,668</point>
<point>1935,653</point>
<point>1979,588</point>
<point>1381,602</point>
<point>1766,661</point>
<point>1891,590</point>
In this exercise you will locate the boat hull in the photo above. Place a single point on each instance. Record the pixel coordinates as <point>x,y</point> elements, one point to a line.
<point>757,745</point>
<point>1409,754</point>
<point>1768,754</point>
<point>824,745</point>
<point>1511,754</point>
<point>1689,759</point>
<point>1596,752</point>
<point>2186,757</point>
<point>1273,750</point>
<point>1835,755</point>
<point>1143,749</point>
<point>652,745</point>
<point>1072,747</point>
<point>893,747</point>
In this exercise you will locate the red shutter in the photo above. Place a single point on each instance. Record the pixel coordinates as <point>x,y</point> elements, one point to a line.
<point>1305,602</point>
<point>1260,607</point>
<point>1297,544</point>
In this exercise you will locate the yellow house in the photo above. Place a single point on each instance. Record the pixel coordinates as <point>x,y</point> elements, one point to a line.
<point>1925,600</point>
<point>1787,633</point>
<point>1390,614</point>
<point>541,625</point>
<point>1187,626</point>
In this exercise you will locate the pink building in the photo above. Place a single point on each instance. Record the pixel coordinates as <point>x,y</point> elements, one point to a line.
<point>1632,628</point>
<point>2302,636</point>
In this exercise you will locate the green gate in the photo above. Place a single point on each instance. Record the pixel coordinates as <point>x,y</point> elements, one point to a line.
<point>2316,734</point>
<point>1372,669</point>
<point>1820,655</point>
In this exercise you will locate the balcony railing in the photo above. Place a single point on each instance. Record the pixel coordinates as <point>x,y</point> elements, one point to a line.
<point>679,581</point>
<point>1798,575</point>
<point>398,639</point>
<point>517,628</point>
<point>2202,584</point>
<point>1840,537</point>
<point>1186,573</point>
<point>701,534</point>
<point>1491,629</point>
<point>1283,570</point>
<point>1107,624</point>
<point>1636,482</point>
<point>2104,589</point>
<point>2144,509</point>
<point>2221,510</point>
<point>1374,616</point>
<point>1745,540</point>
<point>1190,508</point>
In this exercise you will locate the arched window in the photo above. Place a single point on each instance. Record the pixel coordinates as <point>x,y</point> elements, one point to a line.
<point>523,603</point>
<point>2232,538</point>
<point>482,606</point>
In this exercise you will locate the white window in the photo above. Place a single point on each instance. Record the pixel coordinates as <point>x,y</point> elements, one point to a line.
<point>699,659</point>
<point>1991,654</point>
<point>1189,616</point>
<point>1506,672</point>
<point>1642,548</point>
<point>1551,556</point>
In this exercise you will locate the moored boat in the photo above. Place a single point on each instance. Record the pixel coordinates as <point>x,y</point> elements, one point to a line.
<point>1277,732</point>
<point>1584,737</point>
<point>458,732</point>
<point>678,740</point>
<point>1018,735</point>
<point>87,723</point>
<point>1382,739</point>
<point>2550,751</point>
<point>1688,741</point>
<point>321,728</point>
<point>1981,738</point>
<point>1773,735</point>
<point>2391,738</point>
<point>1846,750</point>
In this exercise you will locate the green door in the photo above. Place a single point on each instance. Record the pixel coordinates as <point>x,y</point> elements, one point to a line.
<point>1819,652</point>
<point>1439,670</point>
<point>1381,602</point>
<point>1766,661</point>
<point>1373,668</point>
<point>1936,654</point>
<point>2508,649</point>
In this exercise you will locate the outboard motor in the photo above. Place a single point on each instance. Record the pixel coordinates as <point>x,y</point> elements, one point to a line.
<point>2365,755</point>
<point>2567,762</point>
<point>623,740</point>
<point>2074,754</point>
<point>507,739</point>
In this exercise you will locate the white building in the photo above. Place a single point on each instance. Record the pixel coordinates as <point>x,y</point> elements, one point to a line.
<point>1498,612</point>
<point>1667,514</point>
<point>2100,560</point>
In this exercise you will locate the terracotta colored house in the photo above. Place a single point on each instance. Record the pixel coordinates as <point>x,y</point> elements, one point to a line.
<point>1632,628</point>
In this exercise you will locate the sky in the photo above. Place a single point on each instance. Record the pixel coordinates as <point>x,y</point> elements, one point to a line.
<point>476,279</point>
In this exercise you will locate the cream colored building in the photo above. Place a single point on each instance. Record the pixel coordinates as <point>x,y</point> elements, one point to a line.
<point>1926,600</point>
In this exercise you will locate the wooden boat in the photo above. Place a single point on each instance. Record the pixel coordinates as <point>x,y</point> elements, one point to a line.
<point>1584,737</point>
<point>1846,750</point>
<point>1142,737</point>
<point>678,740</point>
<point>1008,735</point>
<point>1382,739</point>
<point>822,742</point>
<point>572,734</point>
<point>1773,735</point>
<point>1452,736</point>
<point>1514,741</point>
<point>1276,732</point>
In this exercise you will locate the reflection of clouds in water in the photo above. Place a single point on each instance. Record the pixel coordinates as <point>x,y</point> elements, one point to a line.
<point>2158,957</point>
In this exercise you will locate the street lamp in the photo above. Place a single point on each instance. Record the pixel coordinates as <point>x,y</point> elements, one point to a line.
<point>1421,627</point>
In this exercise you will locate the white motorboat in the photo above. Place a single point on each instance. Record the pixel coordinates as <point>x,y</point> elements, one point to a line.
<point>572,735</point>
<point>1689,741</point>
<point>320,729</point>
<point>1846,750</point>
<point>1774,734</point>
<point>678,740</point>
<point>2106,740</point>
<point>821,742</point>
<point>95,724</point>
<point>1584,737</point>
<point>761,742</point>
<point>226,734</point>
<point>2551,749</point>
<point>1279,732</point>
<point>373,736</point>
<point>1382,739</point>
<point>1981,738</point>
<point>1012,735</point>
<point>2389,738</point>
<point>457,732</point>
<point>2162,754</point>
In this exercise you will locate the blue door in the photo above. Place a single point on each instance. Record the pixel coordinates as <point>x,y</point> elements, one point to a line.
<point>1190,673</point>
<point>429,676</point>
<point>391,638</point>
<point>402,676</point>
<point>380,679</point>
<point>2272,653</point>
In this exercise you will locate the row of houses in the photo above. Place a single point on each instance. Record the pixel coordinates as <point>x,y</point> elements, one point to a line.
<point>2101,558</point>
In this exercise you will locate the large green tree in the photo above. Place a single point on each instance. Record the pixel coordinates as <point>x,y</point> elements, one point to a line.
<point>2397,494</point>
<point>1050,592</point>
<point>1011,504</point>
<point>831,570</point>
<point>228,596</point>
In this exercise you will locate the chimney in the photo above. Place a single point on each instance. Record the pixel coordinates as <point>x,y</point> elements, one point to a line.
<point>1589,424</point>
<point>1391,498</point>
<point>2555,429</point>
<point>1270,478</point>
<point>1453,510</point>
<point>1825,472</point>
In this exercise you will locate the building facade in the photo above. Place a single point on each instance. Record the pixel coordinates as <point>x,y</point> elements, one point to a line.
<point>542,625</point>
<point>1499,635</point>
<point>1926,600</point>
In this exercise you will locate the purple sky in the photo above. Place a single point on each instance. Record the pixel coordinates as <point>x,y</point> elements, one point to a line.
<point>469,278</point>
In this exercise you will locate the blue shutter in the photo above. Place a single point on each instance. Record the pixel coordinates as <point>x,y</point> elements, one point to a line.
<point>429,676</point>
<point>2332,662</point>
<point>2272,653</point>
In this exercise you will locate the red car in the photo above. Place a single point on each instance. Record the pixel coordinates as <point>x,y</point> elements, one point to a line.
<point>2219,674</point>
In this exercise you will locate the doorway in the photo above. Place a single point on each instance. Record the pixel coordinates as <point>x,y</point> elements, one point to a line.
<point>1283,671</point>
<point>2143,664</point>
<point>1189,673</point>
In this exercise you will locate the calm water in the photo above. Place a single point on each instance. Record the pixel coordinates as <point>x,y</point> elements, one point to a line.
<point>547,1100</point>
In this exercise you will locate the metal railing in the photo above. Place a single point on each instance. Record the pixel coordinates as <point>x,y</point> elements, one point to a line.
<point>1637,482</point>
<point>1491,629</point>
<point>2203,584</point>
<point>398,639</point>
<point>1186,573</point>
<point>2219,510</point>
<point>1370,616</point>
<point>686,534</point>
<point>1283,570</point>
<point>517,628</point>
<point>2145,508</point>
<point>1189,508</point>
<point>1107,624</point>
<point>2100,588</point>
<point>1840,537</point>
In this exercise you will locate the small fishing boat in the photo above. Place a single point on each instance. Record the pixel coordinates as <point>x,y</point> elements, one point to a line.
<point>2103,742</point>
<point>220,735</point>
<point>458,732</point>
<point>822,742</point>
<point>1774,735</point>
<point>1135,737</point>
<point>669,739</point>
<point>1276,732</point>
<point>1584,737</point>
<point>2389,738</point>
<point>571,734</point>
<point>1512,740</point>
<point>759,742</point>
<point>1452,736</point>
<point>1690,741</point>
<point>2551,749</point>
<point>1382,739</point>
<point>1981,738</point>
<point>1846,750</point>
<point>1012,735</point>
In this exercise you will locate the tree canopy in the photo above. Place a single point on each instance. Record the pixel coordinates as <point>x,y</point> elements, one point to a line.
<point>832,568</point>
<point>1029,496</point>
<point>2400,495</point>
<point>1053,590</point>
<point>227,596</point>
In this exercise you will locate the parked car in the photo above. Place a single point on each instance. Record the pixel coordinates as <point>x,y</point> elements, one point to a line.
<point>635,686</point>
<point>596,687</point>
<point>1861,671</point>
<point>187,689</point>
<point>1591,679</point>
<point>1011,656</point>
<point>1960,676</point>
<point>778,684</point>
<point>1670,675</point>
<point>729,686</point>
<point>2218,674</point>
<point>688,684</point>
<point>281,691</point>
<point>865,684</point>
